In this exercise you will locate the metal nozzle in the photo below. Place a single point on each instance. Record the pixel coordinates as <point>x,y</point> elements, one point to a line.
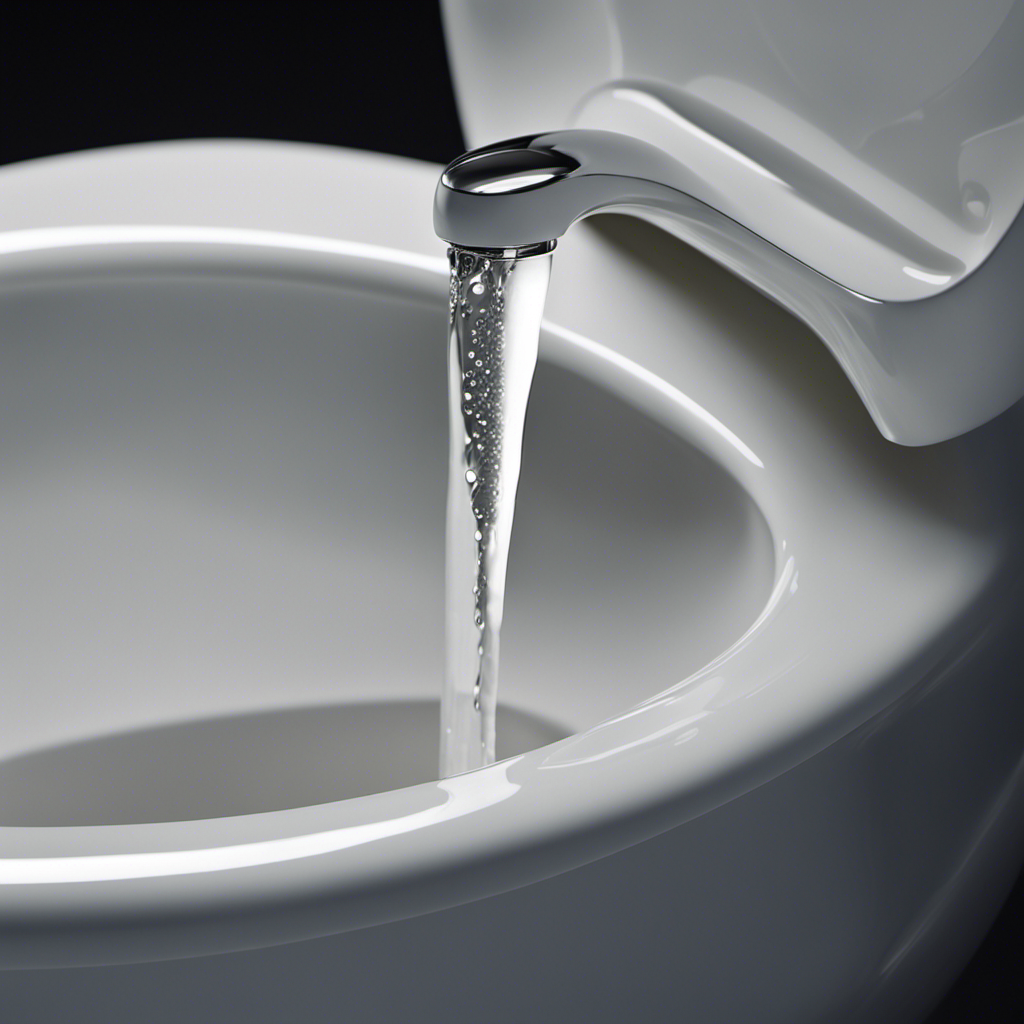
<point>525,192</point>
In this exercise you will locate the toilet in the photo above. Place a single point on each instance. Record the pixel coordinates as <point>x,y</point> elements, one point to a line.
<point>762,732</point>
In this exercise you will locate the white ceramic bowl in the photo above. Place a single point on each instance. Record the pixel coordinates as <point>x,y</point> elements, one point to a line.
<point>765,747</point>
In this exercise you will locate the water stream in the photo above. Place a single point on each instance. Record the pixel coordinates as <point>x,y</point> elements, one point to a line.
<point>495,305</point>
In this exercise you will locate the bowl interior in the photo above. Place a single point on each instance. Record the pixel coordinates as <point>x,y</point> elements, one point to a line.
<point>221,523</point>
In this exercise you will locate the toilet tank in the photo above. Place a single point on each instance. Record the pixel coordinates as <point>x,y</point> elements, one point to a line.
<point>880,144</point>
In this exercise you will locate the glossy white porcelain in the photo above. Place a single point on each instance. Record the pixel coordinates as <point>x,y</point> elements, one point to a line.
<point>877,149</point>
<point>767,730</point>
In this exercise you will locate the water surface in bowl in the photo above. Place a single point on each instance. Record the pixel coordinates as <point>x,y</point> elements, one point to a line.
<point>240,764</point>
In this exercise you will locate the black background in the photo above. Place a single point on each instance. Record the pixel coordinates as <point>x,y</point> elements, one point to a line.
<point>92,79</point>
<point>302,74</point>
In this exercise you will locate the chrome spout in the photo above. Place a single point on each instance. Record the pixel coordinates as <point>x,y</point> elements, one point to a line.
<point>524,193</point>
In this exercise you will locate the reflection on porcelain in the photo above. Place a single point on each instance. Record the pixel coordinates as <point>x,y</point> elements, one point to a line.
<point>465,794</point>
<point>90,236</point>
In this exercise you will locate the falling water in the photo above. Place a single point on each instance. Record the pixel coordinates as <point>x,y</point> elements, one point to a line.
<point>496,302</point>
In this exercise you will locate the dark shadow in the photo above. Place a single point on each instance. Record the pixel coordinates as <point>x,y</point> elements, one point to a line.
<point>990,988</point>
<point>240,764</point>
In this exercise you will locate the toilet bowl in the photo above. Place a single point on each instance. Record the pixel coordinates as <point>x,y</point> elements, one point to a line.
<point>762,735</point>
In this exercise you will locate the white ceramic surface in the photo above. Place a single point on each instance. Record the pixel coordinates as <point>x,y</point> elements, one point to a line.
<point>779,643</point>
<point>879,145</point>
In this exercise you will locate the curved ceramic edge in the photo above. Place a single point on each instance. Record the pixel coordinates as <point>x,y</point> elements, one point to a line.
<point>799,678</point>
<point>908,361</point>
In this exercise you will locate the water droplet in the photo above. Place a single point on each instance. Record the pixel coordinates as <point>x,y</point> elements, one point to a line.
<point>470,477</point>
